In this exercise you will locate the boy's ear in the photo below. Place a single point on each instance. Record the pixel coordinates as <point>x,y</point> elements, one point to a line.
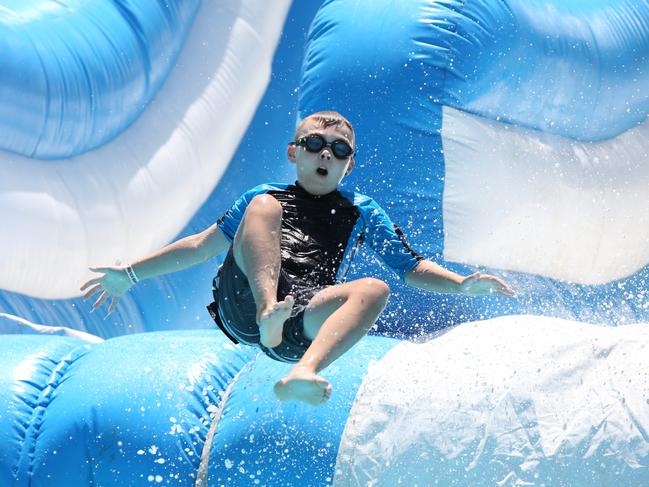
<point>291,152</point>
<point>350,167</point>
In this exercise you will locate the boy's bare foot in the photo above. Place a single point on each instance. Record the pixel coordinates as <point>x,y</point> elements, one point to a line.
<point>302,384</point>
<point>271,322</point>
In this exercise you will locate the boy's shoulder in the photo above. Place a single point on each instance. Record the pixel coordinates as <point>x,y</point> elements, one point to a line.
<point>354,195</point>
<point>362,201</point>
<point>263,188</point>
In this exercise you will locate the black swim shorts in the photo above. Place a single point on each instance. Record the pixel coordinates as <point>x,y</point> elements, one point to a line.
<point>235,312</point>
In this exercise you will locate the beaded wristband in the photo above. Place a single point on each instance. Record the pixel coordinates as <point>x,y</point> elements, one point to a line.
<point>131,274</point>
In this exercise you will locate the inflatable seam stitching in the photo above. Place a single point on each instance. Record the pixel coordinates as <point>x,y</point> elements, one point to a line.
<point>452,28</point>
<point>202,474</point>
<point>45,397</point>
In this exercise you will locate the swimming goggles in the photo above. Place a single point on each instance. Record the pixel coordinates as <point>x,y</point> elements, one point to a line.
<point>315,143</point>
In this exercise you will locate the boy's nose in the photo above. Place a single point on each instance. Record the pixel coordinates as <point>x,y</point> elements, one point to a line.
<point>324,154</point>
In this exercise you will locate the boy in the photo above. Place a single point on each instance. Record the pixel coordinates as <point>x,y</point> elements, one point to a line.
<point>281,286</point>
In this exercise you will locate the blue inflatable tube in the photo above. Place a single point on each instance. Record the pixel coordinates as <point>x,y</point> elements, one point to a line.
<point>563,82</point>
<point>141,406</point>
<point>131,408</point>
<point>504,136</point>
<point>188,408</point>
<point>113,54</point>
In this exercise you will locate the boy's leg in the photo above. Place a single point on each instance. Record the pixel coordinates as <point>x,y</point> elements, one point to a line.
<point>256,250</point>
<point>335,319</point>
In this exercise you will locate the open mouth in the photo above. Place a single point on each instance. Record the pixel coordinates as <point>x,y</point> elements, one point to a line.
<point>322,171</point>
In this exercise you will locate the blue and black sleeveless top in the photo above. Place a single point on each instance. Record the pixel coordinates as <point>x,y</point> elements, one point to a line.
<point>321,235</point>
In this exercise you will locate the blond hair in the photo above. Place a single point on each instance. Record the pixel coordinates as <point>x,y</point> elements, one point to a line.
<point>326,118</point>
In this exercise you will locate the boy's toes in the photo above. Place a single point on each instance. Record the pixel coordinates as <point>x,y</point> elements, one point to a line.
<point>327,393</point>
<point>284,306</point>
<point>326,389</point>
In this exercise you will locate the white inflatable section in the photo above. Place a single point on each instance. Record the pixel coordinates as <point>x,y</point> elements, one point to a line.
<point>135,194</point>
<point>534,202</point>
<point>509,401</point>
<point>14,325</point>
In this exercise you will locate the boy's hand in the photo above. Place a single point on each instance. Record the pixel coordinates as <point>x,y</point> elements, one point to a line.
<point>484,284</point>
<point>113,282</point>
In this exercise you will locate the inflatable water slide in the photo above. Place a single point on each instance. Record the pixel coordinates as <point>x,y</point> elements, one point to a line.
<point>502,136</point>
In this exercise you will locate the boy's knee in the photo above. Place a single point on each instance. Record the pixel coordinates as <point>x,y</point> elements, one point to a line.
<point>266,206</point>
<point>376,291</point>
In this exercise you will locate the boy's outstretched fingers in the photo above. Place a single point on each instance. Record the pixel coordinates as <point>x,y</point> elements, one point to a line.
<point>89,282</point>
<point>91,291</point>
<point>113,303</point>
<point>111,307</point>
<point>113,282</point>
<point>481,284</point>
<point>100,300</point>
<point>502,287</point>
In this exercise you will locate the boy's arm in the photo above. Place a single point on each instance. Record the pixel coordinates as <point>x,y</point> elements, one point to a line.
<point>183,253</point>
<point>432,277</point>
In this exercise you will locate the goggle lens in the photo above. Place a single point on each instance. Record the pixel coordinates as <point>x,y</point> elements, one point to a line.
<point>314,143</point>
<point>341,149</point>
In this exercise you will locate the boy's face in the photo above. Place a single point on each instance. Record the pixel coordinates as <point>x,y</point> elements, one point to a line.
<point>321,172</point>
